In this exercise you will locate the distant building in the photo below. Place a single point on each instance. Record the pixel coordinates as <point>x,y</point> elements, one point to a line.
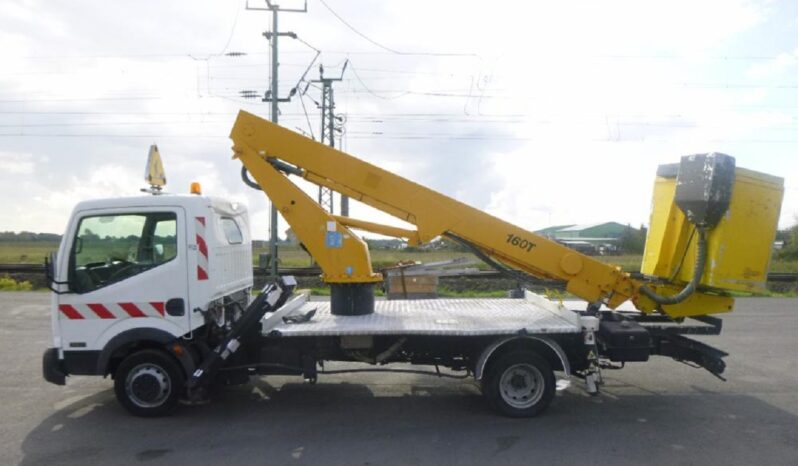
<point>591,232</point>
<point>593,238</point>
<point>550,231</point>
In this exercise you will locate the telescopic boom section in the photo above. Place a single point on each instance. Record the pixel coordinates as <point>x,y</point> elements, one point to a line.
<point>270,152</point>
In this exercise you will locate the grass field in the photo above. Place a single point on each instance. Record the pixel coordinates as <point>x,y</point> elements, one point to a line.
<point>293,256</point>
<point>23,252</point>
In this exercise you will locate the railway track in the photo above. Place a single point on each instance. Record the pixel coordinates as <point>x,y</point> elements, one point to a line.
<point>780,277</point>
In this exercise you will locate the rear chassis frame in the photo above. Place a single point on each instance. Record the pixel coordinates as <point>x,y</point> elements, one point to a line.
<point>246,349</point>
<point>272,352</point>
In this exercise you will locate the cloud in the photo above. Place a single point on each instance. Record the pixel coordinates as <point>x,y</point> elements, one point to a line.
<point>781,64</point>
<point>557,112</point>
<point>104,181</point>
<point>574,182</point>
<point>16,164</point>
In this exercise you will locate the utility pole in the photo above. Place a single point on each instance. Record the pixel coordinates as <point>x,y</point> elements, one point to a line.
<point>272,95</point>
<point>328,131</point>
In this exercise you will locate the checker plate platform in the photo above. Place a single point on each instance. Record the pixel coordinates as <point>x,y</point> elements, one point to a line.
<point>453,317</point>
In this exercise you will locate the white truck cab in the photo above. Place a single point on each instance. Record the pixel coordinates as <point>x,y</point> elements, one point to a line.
<point>141,269</point>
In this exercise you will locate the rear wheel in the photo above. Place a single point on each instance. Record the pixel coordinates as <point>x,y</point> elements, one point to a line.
<point>519,384</point>
<point>148,383</point>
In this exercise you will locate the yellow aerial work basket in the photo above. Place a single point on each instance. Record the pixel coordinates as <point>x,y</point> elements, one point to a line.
<point>739,247</point>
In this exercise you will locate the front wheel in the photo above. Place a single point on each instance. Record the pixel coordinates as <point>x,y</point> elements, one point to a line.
<point>148,383</point>
<point>519,384</point>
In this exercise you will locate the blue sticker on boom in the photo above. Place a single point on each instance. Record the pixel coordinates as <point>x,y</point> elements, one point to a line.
<point>334,239</point>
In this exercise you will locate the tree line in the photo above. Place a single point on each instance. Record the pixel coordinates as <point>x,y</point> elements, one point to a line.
<point>29,236</point>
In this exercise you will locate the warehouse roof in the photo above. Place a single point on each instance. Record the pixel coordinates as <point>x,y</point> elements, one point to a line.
<point>587,226</point>
<point>553,229</point>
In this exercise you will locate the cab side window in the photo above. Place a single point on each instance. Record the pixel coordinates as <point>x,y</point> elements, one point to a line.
<point>111,248</point>
<point>231,231</point>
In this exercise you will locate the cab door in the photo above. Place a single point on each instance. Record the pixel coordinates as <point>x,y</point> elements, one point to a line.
<point>125,268</point>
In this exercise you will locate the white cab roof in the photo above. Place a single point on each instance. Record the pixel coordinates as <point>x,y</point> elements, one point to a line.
<point>189,201</point>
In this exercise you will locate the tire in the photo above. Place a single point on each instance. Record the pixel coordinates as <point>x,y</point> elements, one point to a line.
<point>519,384</point>
<point>148,383</point>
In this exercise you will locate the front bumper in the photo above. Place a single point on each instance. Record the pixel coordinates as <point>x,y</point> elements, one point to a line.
<point>52,369</point>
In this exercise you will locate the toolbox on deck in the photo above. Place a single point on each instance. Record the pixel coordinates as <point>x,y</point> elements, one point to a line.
<point>624,340</point>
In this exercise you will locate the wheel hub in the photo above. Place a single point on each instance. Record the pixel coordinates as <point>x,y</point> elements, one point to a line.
<point>518,381</point>
<point>148,385</point>
<point>521,385</point>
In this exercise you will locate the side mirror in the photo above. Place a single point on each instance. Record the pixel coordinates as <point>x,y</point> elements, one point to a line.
<point>50,262</point>
<point>78,245</point>
<point>49,265</point>
<point>159,250</point>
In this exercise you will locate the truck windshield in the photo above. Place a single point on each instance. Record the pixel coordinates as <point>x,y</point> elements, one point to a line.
<point>111,248</point>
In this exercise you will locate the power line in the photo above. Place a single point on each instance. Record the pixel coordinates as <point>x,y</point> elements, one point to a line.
<point>401,115</point>
<point>352,28</point>
<point>354,71</point>
<point>409,138</point>
<point>388,49</point>
<point>625,124</point>
<point>371,70</point>
<point>401,93</point>
<point>307,117</point>
<point>232,31</point>
<point>443,117</point>
<point>85,99</point>
<point>101,135</point>
<point>598,56</point>
<point>199,118</point>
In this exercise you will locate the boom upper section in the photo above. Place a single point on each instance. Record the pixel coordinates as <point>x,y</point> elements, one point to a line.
<point>272,153</point>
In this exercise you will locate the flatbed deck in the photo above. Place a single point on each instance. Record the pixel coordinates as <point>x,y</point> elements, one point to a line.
<point>445,317</point>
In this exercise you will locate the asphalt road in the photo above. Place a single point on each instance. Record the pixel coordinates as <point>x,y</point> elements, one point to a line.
<point>659,412</point>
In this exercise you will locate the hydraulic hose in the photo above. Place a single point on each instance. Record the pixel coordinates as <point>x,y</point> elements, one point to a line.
<point>698,272</point>
<point>501,268</point>
<point>248,181</point>
<point>278,164</point>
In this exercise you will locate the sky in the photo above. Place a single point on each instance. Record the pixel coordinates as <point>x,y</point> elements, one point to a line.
<point>542,113</point>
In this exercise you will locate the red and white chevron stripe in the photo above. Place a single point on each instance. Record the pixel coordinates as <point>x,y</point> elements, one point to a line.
<point>202,249</point>
<point>111,311</point>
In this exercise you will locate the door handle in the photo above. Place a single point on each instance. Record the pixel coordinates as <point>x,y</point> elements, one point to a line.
<point>176,307</point>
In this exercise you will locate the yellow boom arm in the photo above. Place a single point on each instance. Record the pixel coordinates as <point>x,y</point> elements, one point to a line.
<point>269,152</point>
